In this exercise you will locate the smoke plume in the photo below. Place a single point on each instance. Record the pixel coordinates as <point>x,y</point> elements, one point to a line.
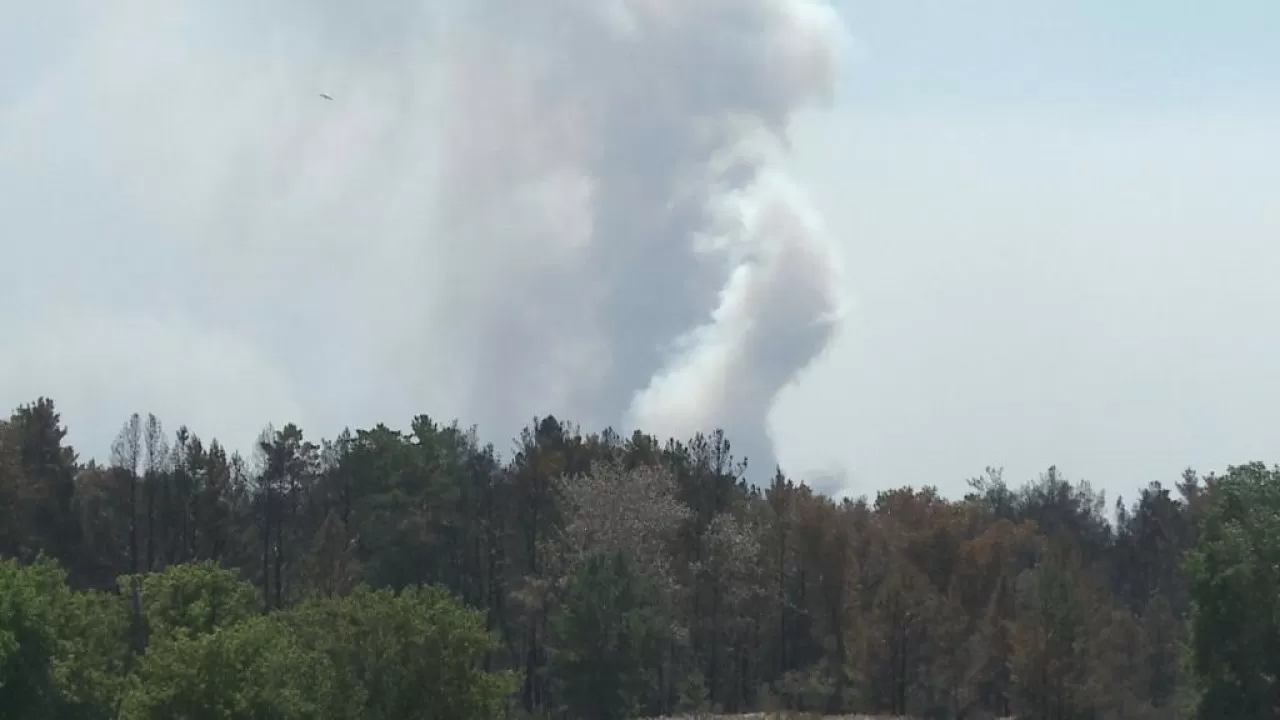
<point>509,208</point>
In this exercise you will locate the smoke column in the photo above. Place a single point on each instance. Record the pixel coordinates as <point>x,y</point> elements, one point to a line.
<point>510,208</point>
<point>672,281</point>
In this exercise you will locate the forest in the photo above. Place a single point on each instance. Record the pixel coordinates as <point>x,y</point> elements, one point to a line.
<point>423,574</point>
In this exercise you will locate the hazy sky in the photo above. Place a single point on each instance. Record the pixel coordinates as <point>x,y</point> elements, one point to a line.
<point>1060,224</point>
<point>1053,221</point>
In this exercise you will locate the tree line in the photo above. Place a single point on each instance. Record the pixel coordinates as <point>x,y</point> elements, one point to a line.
<point>422,573</point>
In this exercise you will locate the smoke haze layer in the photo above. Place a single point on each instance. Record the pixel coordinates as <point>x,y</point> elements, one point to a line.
<point>508,209</point>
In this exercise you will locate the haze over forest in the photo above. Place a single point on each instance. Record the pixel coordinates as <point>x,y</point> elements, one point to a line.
<point>881,244</point>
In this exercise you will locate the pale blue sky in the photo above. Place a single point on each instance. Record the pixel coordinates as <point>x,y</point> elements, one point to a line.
<point>1137,53</point>
<point>1062,230</point>
<point>1058,220</point>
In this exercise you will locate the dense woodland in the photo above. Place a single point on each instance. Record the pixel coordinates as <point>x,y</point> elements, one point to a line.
<point>389,574</point>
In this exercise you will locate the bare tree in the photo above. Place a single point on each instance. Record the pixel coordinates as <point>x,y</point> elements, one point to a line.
<point>632,511</point>
<point>157,465</point>
<point>126,455</point>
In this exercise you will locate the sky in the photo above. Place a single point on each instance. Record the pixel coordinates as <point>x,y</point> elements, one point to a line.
<point>889,242</point>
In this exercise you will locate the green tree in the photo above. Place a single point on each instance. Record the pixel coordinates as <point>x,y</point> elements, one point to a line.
<point>606,641</point>
<point>46,482</point>
<point>62,654</point>
<point>94,660</point>
<point>412,654</point>
<point>1235,583</point>
<point>191,599</point>
<point>256,669</point>
<point>1048,663</point>
<point>331,567</point>
<point>29,599</point>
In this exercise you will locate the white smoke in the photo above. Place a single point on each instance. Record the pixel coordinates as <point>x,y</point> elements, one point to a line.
<point>618,149</point>
<point>510,208</point>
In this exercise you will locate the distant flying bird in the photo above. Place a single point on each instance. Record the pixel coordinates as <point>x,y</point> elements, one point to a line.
<point>326,96</point>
